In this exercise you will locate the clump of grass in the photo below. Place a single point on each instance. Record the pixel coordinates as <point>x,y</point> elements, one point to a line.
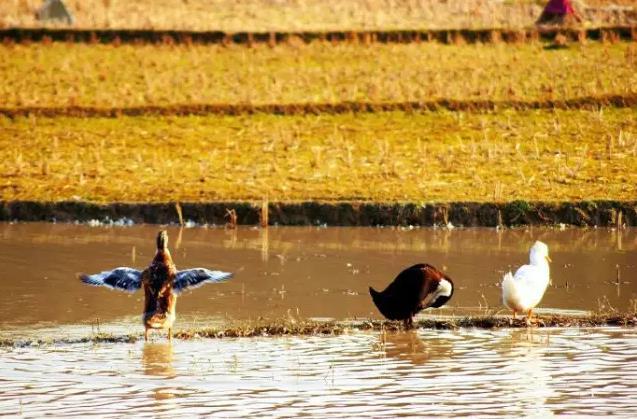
<point>516,210</point>
<point>93,338</point>
<point>604,307</point>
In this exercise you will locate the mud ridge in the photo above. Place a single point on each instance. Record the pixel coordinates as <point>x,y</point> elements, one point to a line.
<point>278,328</point>
<point>587,102</point>
<point>446,36</point>
<point>466,214</point>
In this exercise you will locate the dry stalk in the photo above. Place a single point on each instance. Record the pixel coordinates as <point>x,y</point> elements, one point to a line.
<point>231,215</point>
<point>179,213</point>
<point>264,213</point>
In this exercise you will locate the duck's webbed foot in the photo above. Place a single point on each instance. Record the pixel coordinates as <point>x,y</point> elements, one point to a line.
<point>532,321</point>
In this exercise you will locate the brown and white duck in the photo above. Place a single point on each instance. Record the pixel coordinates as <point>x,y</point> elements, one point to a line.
<point>162,283</point>
<point>416,288</point>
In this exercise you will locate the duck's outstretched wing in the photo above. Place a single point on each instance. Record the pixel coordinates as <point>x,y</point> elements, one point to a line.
<point>196,277</point>
<point>123,279</point>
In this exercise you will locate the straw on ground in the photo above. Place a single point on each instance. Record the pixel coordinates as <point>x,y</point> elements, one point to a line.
<point>393,156</point>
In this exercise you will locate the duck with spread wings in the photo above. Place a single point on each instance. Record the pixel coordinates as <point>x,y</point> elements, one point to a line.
<point>162,283</point>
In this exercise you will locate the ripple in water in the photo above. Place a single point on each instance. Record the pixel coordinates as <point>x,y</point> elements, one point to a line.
<point>467,372</point>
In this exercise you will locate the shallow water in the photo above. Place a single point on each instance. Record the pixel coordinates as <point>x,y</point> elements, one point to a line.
<point>538,372</point>
<point>300,272</point>
<point>312,272</point>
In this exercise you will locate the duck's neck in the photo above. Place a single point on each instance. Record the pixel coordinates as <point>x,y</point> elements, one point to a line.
<point>162,247</point>
<point>542,264</point>
<point>163,252</point>
<point>162,242</point>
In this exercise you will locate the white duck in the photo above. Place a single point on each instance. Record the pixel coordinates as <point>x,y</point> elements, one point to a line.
<point>524,291</point>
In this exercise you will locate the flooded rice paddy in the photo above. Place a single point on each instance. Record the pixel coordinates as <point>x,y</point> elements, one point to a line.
<point>308,272</point>
<point>313,273</point>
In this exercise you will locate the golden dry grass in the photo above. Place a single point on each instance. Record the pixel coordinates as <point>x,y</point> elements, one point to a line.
<point>109,76</point>
<point>267,15</point>
<point>440,156</point>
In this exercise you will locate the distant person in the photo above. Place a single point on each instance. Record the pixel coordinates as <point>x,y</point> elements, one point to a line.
<point>559,12</point>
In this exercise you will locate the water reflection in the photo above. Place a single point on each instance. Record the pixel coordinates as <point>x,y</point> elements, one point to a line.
<point>390,238</point>
<point>264,235</point>
<point>527,370</point>
<point>179,238</point>
<point>157,360</point>
<point>409,346</point>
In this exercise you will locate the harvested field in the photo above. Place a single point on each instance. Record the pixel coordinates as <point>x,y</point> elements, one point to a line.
<point>59,74</point>
<point>386,157</point>
<point>263,15</point>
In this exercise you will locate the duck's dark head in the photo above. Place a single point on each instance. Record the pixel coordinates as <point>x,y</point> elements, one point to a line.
<point>444,291</point>
<point>162,240</point>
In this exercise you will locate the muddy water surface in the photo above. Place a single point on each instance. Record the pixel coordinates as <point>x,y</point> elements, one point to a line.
<point>306,272</point>
<point>427,373</point>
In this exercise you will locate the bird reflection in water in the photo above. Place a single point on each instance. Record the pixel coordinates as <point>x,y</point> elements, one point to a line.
<point>157,360</point>
<point>519,340</point>
<point>525,369</point>
<point>409,346</point>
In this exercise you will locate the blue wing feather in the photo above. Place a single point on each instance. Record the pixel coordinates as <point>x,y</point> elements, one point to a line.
<point>123,279</point>
<point>193,278</point>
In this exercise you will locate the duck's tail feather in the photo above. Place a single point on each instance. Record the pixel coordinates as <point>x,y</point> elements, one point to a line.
<point>376,297</point>
<point>508,288</point>
<point>380,302</point>
<point>507,277</point>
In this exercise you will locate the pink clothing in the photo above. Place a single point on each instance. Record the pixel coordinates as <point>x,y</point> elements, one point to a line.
<point>559,7</point>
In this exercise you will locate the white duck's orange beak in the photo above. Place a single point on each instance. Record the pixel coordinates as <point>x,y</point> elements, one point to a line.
<point>548,258</point>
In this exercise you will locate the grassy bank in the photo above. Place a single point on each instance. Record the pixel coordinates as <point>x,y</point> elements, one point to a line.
<point>385,157</point>
<point>556,36</point>
<point>266,15</point>
<point>603,213</point>
<point>60,74</point>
